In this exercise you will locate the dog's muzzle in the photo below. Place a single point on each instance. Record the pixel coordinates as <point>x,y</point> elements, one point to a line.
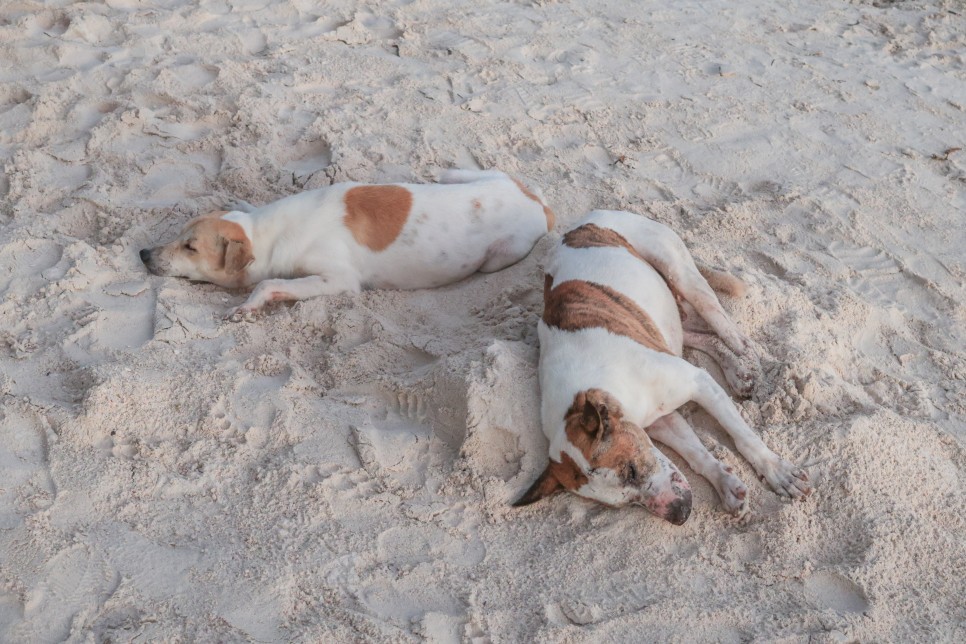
<point>147,256</point>
<point>679,511</point>
<point>673,503</point>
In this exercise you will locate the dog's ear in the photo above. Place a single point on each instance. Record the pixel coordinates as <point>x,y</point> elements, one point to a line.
<point>231,241</point>
<point>546,485</point>
<point>238,255</point>
<point>597,416</point>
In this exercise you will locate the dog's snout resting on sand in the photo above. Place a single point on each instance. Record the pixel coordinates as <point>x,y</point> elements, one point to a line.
<point>612,375</point>
<point>348,236</point>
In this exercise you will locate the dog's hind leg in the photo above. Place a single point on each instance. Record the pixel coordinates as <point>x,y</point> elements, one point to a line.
<point>739,371</point>
<point>506,252</point>
<point>665,251</point>
<point>674,431</point>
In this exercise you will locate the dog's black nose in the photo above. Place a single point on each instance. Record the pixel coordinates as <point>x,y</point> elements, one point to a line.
<point>145,255</point>
<point>680,510</point>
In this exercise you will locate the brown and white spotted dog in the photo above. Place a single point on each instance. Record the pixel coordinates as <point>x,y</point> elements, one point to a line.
<point>348,236</point>
<point>612,375</point>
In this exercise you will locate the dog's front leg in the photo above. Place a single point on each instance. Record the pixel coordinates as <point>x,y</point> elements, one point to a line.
<point>784,478</point>
<point>663,249</point>
<point>278,290</point>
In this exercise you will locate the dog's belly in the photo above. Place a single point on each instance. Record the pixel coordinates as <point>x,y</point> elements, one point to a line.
<point>618,270</point>
<point>426,271</point>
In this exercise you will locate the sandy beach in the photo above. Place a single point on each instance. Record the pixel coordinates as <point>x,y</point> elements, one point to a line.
<point>342,469</point>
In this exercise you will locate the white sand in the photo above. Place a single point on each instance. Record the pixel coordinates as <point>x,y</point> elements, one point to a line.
<point>341,470</point>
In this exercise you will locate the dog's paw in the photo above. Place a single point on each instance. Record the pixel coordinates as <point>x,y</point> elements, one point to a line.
<point>241,313</point>
<point>786,479</point>
<point>742,373</point>
<point>733,493</point>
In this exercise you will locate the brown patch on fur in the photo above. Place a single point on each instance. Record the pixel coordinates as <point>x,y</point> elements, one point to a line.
<point>223,244</point>
<point>577,304</point>
<point>376,214</point>
<point>593,236</point>
<point>568,472</point>
<point>551,218</point>
<point>476,204</point>
<point>590,419</point>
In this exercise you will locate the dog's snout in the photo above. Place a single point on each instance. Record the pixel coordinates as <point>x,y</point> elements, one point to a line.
<point>145,255</point>
<point>670,498</point>
<point>679,510</point>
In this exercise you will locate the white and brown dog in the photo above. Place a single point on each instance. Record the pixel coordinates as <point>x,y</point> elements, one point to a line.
<point>348,236</point>
<point>612,375</point>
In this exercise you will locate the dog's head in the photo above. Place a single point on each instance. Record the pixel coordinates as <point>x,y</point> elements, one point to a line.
<point>209,249</point>
<point>619,465</point>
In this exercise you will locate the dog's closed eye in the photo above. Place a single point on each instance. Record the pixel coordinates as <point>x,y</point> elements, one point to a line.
<point>190,246</point>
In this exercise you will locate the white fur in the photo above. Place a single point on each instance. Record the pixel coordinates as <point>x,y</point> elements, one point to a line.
<point>302,247</point>
<point>649,385</point>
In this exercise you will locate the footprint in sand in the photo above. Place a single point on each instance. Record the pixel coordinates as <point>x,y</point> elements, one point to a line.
<point>396,440</point>
<point>186,78</point>
<point>256,403</point>
<point>27,486</point>
<point>365,28</point>
<point>880,280</point>
<point>831,590</point>
<point>12,96</point>
<point>121,317</point>
<point>52,24</point>
<point>78,580</point>
<point>307,159</point>
<point>451,42</point>
<point>158,571</point>
<point>253,41</point>
<point>24,265</point>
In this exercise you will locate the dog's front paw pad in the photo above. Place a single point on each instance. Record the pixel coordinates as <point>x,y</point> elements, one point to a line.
<point>786,479</point>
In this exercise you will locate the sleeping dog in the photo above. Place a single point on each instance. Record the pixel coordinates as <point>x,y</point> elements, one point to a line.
<point>612,375</point>
<point>348,236</point>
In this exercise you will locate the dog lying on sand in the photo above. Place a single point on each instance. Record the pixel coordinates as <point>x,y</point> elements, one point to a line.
<point>348,236</point>
<point>612,375</point>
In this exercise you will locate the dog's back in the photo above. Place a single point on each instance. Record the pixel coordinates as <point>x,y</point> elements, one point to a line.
<point>596,259</point>
<point>455,229</point>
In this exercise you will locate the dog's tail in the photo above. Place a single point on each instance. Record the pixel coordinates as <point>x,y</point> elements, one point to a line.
<point>723,282</point>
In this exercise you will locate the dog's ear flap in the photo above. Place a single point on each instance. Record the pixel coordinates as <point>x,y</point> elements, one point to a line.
<point>597,417</point>
<point>236,247</point>
<point>238,255</point>
<point>546,485</point>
